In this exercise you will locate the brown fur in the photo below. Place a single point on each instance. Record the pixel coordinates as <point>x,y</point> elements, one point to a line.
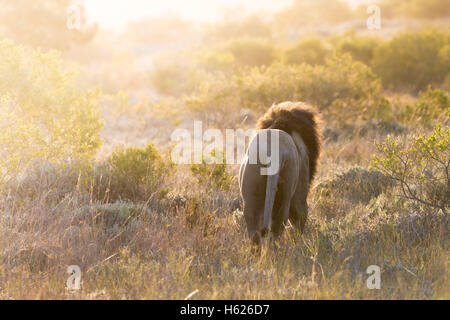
<point>299,117</point>
<point>270,201</point>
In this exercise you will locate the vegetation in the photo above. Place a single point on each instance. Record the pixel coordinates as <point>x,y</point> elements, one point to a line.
<point>413,60</point>
<point>431,105</point>
<point>251,52</point>
<point>45,116</point>
<point>421,9</point>
<point>361,48</point>
<point>134,173</point>
<point>310,51</point>
<point>86,178</point>
<point>43,24</point>
<point>346,77</point>
<point>421,166</point>
<point>213,174</point>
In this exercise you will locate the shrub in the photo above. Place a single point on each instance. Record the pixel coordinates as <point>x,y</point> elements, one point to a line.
<point>261,87</point>
<point>357,184</point>
<point>47,182</point>
<point>422,9</point>
<point>43,114</point>
<point>134,174</point>
<point>420,165</point>
<point>310,50</point>
<point>341,87</point>
<point>212,175</point>
<point>174,79</point>
<point>119,213</point>
<point>431,106</point>
<point>215,101</point>
<point>43,24</point>
<point>444,56</point>
<point>446,84</point>
<point>251,52</point>
<point>346,191</point>
<point>361,48</point>
<point>413,60</point>
<point>217,60</point>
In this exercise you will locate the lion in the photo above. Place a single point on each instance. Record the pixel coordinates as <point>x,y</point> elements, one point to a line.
<point>289,133</point>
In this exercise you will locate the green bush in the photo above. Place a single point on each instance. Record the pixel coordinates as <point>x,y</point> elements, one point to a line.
<point>165,78</point>
<point>431,106</point>
<point>119,214</point>
<point>43,115</point>
<point>133,173</point>
<point>215,102</point>
<point>213,175</point>
<point>261,87</point>
<point>444,56</point>
<point>357,184</point>
<point>310,50</point>
<point>361,48</point>
<point>420,165</point>
<point>342,87</point>
<point>43,24</point>
<point>252,52</point>
<point>217,60</point>
<point>345,191</point>
<point>50,183</point>
<point>413,60</point>
<point>175,78</point>
<point>422,9</point>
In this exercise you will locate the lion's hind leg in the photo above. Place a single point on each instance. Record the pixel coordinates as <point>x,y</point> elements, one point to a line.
<point>298,214</point>
<point>281,212</point>
<point>280,222</point>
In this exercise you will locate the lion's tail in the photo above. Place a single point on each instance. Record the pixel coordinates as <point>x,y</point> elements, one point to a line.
<point>271,190</point>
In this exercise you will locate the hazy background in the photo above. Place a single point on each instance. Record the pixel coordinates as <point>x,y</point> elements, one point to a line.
<point>116,13</point>
<point>86,117</point>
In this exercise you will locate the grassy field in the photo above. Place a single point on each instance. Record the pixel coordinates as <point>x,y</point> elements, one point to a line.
<point>195,239</point>
<point>86,176</point>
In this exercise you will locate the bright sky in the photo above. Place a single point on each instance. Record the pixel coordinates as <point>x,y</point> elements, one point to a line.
<point>113,14</point>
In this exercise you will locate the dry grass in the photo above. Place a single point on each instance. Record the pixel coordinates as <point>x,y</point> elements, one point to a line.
<point>195,239</point>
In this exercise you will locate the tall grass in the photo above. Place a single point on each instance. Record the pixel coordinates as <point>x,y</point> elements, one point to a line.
<point>169,248</point>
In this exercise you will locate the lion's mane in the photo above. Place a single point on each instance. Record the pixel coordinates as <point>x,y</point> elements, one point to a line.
<point>301,118</point>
